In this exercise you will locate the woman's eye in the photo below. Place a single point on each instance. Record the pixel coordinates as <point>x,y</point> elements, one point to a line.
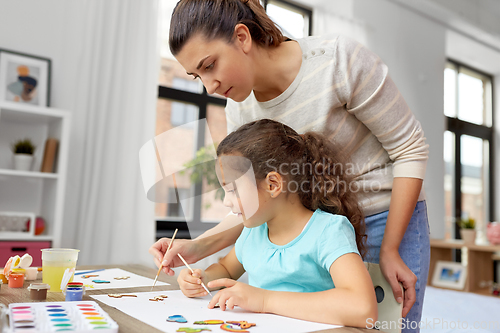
<point>209,67</point>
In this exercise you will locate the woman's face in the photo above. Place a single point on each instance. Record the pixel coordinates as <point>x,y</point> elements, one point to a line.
<point>224,69</point>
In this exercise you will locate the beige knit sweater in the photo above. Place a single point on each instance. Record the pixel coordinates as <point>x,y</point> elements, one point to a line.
<point>344,91</point>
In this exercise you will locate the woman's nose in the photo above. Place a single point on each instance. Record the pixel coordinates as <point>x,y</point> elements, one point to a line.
<point>212,86</point>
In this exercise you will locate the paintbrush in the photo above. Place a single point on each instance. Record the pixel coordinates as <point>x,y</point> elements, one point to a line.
<point>161,264</point>
<point>202,284</point>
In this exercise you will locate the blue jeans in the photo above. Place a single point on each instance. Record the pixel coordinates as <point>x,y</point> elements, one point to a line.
<point>414,250</point>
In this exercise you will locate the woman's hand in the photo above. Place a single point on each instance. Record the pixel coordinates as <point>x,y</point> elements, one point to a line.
<point>189,250</point>
<point>237,293</point>
<point>395,271</point>
<point>190,283</point>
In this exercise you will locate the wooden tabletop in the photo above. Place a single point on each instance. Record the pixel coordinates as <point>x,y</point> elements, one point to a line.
<point>126,323</point>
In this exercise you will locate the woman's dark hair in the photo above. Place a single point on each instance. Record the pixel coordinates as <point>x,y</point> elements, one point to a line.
<point>217,19</point>
<point>309,160</point>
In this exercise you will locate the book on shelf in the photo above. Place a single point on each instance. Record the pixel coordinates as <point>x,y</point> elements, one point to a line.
<point>49,155</point>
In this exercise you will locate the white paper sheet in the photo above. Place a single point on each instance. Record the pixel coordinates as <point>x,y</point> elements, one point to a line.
<point>110,274</point>
<point>195,309</point>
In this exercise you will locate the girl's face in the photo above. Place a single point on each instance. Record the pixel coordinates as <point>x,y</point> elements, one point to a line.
<point>244,195</point>
<point>224,69</point>
<point>248,201</point>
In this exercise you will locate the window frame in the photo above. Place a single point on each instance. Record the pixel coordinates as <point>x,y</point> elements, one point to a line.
<point>307,11</point>
<point>165,226</point>
<point>460,127</point>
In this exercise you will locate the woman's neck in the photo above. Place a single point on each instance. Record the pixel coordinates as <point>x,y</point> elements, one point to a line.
<point>288,223</point>
<point>275,69</point>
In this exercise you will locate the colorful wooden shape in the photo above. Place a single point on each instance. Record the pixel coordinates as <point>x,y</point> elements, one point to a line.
<point>121,295</point>
<point>192,330</point>
<point>231,328</point>
<point>122,278</point>
<point>242,324</point>
<point>209,322</point>
<point>89,276</point>
<point>177,319</point>
<point>100,281</point>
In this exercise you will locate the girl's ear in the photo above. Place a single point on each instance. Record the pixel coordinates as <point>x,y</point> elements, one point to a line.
<point>274,184</point>
<point>243,38</point>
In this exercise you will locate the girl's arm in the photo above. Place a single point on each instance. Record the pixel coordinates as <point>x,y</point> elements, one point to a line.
<point>228,267</point>
<point>210,242</point>
<point>351,303</point>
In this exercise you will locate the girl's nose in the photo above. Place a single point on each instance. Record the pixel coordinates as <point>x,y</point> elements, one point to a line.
<point>227,202</point>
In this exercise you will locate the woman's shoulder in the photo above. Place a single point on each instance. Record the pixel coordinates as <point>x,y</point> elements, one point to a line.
<point>328,41</point>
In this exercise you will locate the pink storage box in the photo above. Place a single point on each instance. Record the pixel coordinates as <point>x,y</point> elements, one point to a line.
<point>10,249</point>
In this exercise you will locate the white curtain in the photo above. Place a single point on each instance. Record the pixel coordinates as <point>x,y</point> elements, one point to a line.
<point>113,46</point>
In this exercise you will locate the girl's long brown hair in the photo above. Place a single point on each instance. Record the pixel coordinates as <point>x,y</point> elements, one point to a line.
<point>309,160</point>
<point>217,19</point>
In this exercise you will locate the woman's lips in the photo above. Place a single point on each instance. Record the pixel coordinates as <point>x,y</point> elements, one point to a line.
<point>227,92</point>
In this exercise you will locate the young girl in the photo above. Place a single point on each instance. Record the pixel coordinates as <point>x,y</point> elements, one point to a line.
<point>303,230</point>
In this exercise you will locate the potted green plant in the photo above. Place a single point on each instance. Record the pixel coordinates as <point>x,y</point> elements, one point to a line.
<point>467,230</point>
<point>23,154</point>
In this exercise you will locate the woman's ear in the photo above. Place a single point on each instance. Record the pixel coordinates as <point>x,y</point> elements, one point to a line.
<point>243,38</point>
<point>274,184</point>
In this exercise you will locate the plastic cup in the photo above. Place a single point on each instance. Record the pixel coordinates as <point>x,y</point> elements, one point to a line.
<point>54,264</point>
<point>38,291</point>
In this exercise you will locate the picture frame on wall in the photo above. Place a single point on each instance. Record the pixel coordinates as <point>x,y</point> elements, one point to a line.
<point>448,274</point>
<point>24,78</point>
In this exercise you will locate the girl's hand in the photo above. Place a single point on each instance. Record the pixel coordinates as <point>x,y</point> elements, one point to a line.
<point>187,248</point>
<point>395,271</point>
<point>190,283</point>
<point>237,293</point>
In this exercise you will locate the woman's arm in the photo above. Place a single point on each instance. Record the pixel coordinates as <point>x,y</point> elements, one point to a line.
<point>210,242</point>
<point>373,98</point>
<point>351,303</point>
<point>405,192</point>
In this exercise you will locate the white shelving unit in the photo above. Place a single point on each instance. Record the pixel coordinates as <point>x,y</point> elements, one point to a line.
<point>33,191</point>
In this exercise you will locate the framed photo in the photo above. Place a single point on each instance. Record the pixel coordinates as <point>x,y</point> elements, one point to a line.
<point>24,78</point>
<point>448,274</point>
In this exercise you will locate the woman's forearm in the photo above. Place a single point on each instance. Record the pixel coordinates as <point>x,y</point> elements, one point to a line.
<point>221,236</point>
<point>405,192</point>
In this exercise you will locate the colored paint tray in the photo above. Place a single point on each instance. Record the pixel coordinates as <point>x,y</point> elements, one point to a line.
<point>78,317</point>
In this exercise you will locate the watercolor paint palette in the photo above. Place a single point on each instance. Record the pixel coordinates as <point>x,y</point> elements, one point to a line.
<point>79,317</point>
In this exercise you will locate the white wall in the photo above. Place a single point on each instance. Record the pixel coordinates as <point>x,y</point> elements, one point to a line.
<point>42,28</point>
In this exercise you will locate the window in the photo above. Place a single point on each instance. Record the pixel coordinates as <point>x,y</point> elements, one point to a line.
<point>295,21</point>
<point>182,100</point>
<point>468,152</point>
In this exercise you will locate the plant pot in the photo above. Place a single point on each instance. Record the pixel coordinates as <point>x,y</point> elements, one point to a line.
<point>468,235</point>
<point>23,162</point>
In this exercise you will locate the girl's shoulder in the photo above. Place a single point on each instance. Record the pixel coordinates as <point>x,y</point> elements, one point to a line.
<point>333,222</point>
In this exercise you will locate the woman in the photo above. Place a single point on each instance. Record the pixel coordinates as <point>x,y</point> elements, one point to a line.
<point>330,85</point>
